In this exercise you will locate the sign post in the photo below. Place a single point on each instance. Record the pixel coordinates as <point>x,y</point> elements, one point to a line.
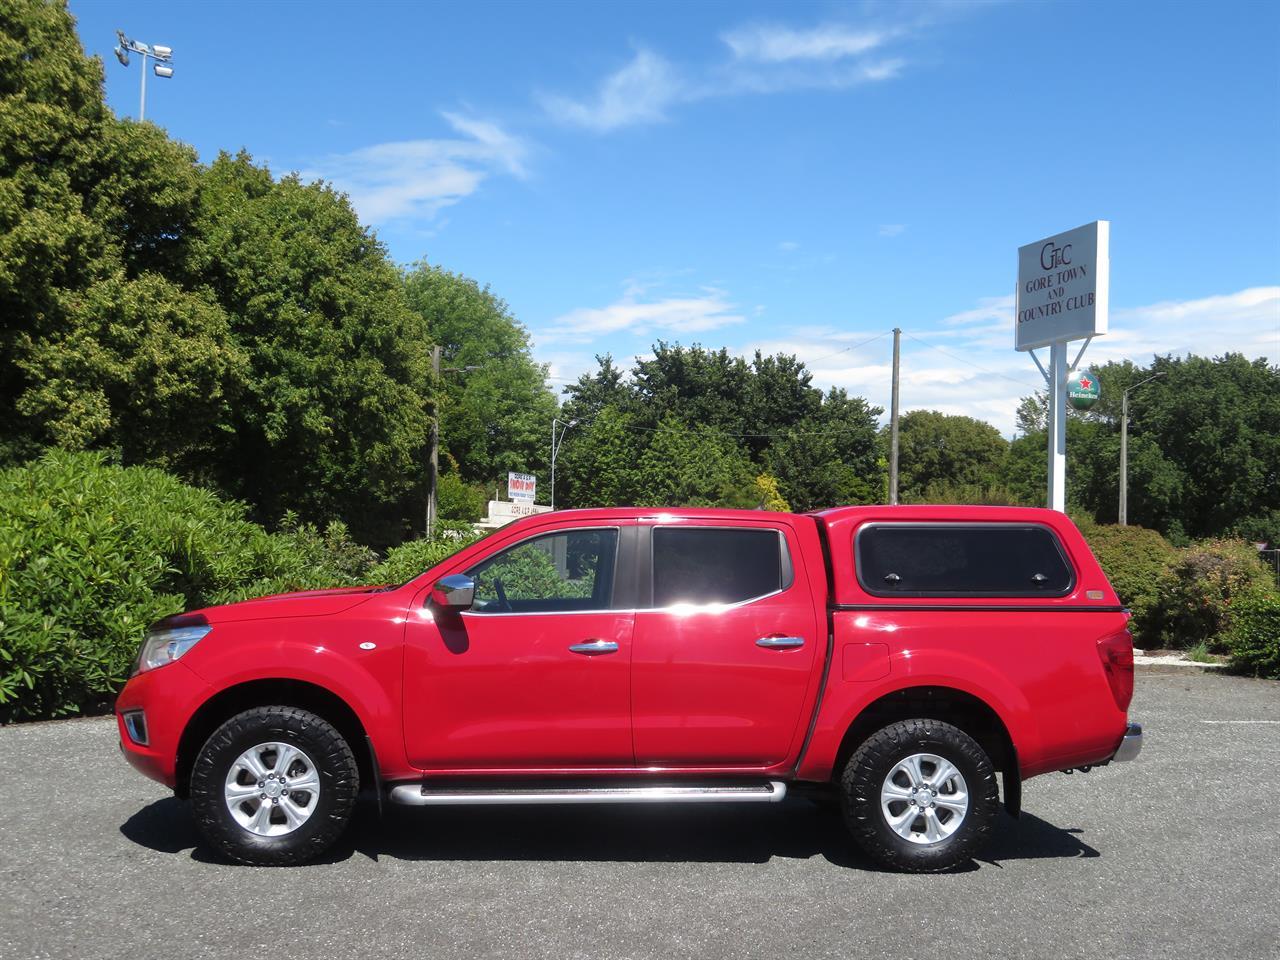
<point>1062,295</point>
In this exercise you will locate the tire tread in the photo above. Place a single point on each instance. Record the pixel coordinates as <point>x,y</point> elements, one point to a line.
<point>860,784</point>
<point>336,765</point>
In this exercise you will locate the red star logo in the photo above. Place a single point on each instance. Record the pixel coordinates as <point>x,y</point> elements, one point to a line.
<point>1085,383</point>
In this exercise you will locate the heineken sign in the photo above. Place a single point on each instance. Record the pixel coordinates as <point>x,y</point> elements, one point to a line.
<point>1082,390</point>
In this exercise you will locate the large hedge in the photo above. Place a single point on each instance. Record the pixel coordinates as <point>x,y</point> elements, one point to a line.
<point>1136,561</point>
<point>1253,639</point>
<point>1205,584</point>
<point>91,553</point>
<point>1215,594</point>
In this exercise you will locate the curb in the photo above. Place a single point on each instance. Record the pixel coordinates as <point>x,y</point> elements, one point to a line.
<point>1175,665</point>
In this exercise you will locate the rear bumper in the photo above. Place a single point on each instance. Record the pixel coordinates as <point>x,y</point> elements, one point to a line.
<point>1131,745</point>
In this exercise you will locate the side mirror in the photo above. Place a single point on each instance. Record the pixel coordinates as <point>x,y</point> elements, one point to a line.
<point>454,592</point>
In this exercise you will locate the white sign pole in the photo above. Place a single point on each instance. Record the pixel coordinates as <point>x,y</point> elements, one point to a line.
<point>1058,426</point>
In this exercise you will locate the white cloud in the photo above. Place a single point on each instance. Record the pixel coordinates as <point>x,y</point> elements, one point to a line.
<point>892,229</point>
<point>762,59</point>
<point>777,43</point>
<point>416,178</point>
<point>632,315</point>
<point>639,92</point>
<point>788,246</point>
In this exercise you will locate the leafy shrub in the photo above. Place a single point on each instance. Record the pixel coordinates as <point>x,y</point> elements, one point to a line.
<point>1253,639</point>
<point>770,497</point>
<point>406,561</point>
<point>1136,561</point>
<point>459,500</point>
<point>1205,581</point>
<point>90,554</point>
<point>990,493</point>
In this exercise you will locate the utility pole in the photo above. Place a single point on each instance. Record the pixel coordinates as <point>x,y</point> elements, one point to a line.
<point>893,423</point>
<point>1124,448</point>
<point>433,466</point>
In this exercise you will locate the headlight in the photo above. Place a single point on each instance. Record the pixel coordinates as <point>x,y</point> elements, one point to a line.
<point>167,644</point>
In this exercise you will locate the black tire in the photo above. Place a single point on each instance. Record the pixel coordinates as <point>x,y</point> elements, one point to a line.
<point>339,784</point>
<point>865,774</point>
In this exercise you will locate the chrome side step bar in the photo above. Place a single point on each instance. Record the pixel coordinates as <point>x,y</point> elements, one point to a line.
<point>424,795</point>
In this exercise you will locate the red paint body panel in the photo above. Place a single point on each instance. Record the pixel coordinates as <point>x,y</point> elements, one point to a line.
<point>168,696</point>
<point>503,690</point>
<point>688,691</point>
<point>703,693</point>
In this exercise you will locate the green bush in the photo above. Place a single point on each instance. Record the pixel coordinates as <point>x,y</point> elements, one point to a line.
<point>1205,581</point>
<point>406,561</point>
<point>90,554</point>
<point>1136,561</point>
<point>1253,638</point>
<point>461,501</point>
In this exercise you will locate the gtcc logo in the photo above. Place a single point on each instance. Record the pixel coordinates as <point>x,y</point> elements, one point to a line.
<point>1052,256</point>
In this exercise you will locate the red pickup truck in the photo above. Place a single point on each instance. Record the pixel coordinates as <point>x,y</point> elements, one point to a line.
<point>897,656</point>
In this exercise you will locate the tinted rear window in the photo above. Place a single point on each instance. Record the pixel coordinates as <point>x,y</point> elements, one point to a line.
<point>709,565</point>
<point>960,560</point>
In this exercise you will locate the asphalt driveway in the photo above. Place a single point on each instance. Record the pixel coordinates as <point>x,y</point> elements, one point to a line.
<point>1176,855</point>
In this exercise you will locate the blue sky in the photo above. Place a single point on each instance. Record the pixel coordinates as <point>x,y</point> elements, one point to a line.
<point>796,177</point>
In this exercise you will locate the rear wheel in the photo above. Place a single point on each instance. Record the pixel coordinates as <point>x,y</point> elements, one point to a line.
<point>274,786</point>
<point>919,796</point>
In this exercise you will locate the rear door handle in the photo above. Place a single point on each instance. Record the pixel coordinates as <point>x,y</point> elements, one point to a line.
<point>593,648</point>
<point>780,643</point>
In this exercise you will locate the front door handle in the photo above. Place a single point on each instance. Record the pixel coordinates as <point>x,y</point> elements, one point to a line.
<point>780,643</point>
<point>593,648</point>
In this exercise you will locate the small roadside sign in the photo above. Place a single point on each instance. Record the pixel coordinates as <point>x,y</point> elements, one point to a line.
<point>522,486</point>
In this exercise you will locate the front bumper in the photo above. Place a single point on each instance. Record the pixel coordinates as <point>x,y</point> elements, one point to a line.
<point>165,697</point>
<point>1131,745</point>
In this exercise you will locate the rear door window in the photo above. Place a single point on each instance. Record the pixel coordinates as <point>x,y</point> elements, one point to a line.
<point>961,560</point>
<point>703,565</point>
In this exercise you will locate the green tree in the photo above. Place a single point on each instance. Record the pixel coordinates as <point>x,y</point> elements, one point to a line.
<point>938,449</point>
<point>597,462</point>
<point>459,500</point>
<point>88,205</point>
<point>593,392</point>
<point>699,386</point>
<point>244,332</point>
<point>496,417</point>
<point>334,417</point>
<point>818,449</point>
<point>1204,447</point>
<point>694,466</point>
<point>830,457</point>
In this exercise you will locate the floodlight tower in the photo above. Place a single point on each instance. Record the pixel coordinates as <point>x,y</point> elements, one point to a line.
<point>163,66</point>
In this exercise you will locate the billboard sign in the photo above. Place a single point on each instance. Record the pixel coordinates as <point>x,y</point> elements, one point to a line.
<point>522,486</point>
<point>1063,286</point>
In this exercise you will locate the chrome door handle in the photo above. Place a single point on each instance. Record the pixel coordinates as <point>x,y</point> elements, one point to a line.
<point>593,648</point>
<point>780,643</point>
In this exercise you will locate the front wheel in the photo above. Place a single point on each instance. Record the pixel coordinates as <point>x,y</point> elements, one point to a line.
<point>919,796</point>
<point>274,786</point>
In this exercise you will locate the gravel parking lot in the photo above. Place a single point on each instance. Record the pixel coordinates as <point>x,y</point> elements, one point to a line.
<point>1176,855</point>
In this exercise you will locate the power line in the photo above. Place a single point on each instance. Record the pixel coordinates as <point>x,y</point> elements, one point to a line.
<point>965,361</point>
<point>855,346</point>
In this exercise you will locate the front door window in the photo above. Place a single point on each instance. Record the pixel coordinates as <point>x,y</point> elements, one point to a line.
<point>557,573</point>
